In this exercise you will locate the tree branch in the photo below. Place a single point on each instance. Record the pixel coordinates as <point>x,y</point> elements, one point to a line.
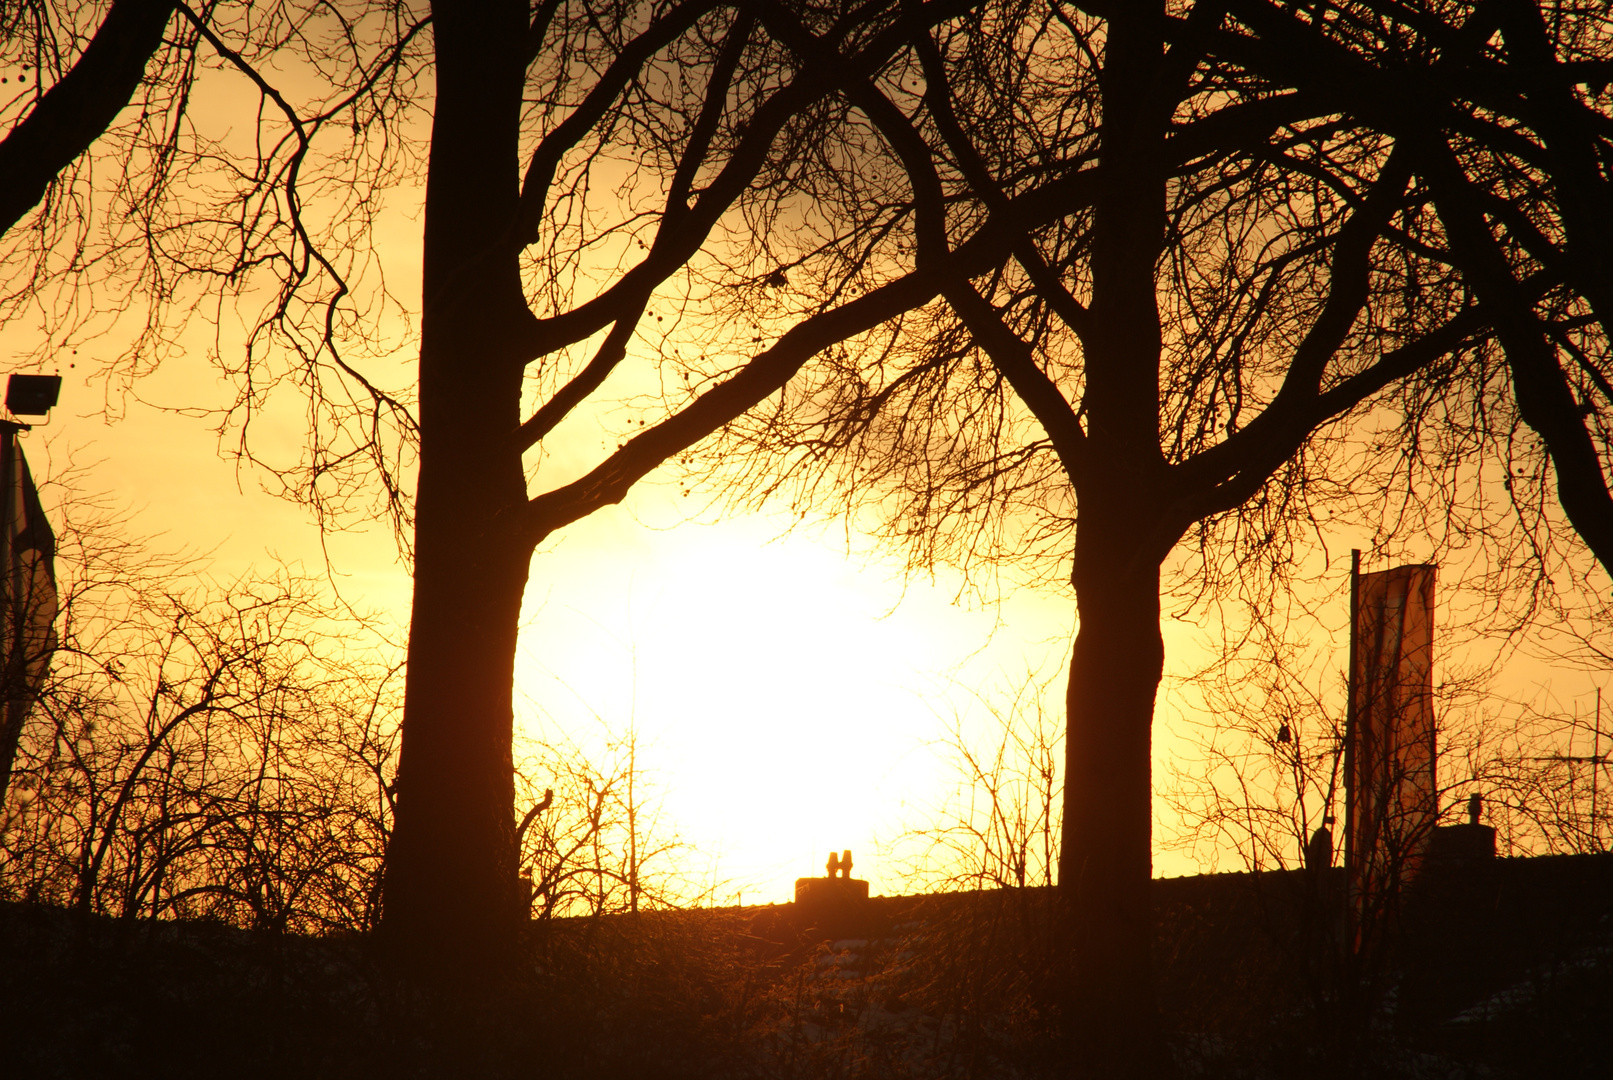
<point>81,106</point>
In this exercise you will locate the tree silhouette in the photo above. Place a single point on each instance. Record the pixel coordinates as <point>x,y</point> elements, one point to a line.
<point>1502,109</point>
<point>1258,256</point>
<point>583,162</point>
<point>70,91</point>
<point>71,86</point>
<point>202,749</point>
<point>714,115</point>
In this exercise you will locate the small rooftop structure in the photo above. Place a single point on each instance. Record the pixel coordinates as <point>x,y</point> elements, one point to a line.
<point>1466,843</point>
<point>836,904</point>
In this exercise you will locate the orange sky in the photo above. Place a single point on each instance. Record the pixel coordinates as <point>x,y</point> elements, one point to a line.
<point>788,691</point>
<point>784,691</point>
<point>788,694</point>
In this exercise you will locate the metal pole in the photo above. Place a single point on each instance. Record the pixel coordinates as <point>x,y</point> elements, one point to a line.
<point>10,713</point>
<point>1433,725</point>
<point>8,467</point>
<point>1349,719</point>
<point>1596,769</point>
<point>8,501</point>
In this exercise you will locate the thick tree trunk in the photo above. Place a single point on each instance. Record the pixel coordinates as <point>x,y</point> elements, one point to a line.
<point>449,902</point>
<point>1106,862</point>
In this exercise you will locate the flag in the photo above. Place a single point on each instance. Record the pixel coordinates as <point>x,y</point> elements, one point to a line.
<point>1391,799</point>
<point>27,597</point>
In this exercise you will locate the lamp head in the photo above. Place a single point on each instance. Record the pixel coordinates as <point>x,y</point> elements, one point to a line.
<point>32,395</point>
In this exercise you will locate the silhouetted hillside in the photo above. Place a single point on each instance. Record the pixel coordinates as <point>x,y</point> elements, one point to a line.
<point>1503,969</point>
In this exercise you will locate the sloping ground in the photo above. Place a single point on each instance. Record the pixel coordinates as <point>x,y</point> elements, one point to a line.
<point>1500,969</point>
<point>1503,970</point>
<point>1512,966</point>
<point>606,998</point>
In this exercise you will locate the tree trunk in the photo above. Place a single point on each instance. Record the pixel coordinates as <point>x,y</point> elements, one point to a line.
<point>449,901</point>
<point>1106,861</point>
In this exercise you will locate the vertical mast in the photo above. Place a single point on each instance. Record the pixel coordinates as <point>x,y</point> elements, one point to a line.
<point>1596,768</point>
<point>9,592</point>
<point>8,466</point>
<point>11,712</point>
<point>1349,717</point>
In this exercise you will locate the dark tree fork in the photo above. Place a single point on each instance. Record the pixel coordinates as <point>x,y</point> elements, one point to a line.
<point>452,865</point>
<point>1134,501</point>
<point>1254,247</point>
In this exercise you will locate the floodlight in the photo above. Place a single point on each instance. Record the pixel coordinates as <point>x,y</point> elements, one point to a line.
<point>32,395</point>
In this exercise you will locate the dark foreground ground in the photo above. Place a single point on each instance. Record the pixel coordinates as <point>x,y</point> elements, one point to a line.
<point>1504,970</point>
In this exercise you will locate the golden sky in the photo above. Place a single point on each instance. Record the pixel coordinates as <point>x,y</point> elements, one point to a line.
<point>788,690</point>
<point>791,695</point>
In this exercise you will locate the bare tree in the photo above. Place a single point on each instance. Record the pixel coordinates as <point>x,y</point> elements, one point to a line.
<point>705,113</point>
<point>1502,108</point>
<point>999,827</point>
<point>596,843</point>
<point>76,69</point>
<point>204,751</point>
<point>1186,370</point>
<point>582,161</point>
<point>1169,278</point>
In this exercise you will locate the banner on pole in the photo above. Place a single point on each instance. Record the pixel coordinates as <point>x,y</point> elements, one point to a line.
<point>1393,802</point>
<point>27,597</point>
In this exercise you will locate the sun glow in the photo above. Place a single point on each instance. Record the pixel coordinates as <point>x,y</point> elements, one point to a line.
<point>787,698</point>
